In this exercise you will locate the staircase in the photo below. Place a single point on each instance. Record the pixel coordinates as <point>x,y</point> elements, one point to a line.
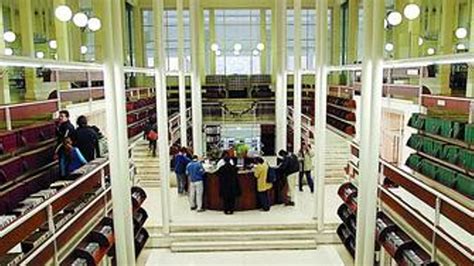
<point>240,238</point>
<point>147,167</point>
<point>337,156</point>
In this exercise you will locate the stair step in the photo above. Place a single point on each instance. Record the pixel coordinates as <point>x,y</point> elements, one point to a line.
<point>244,235</point>
<point>203,246</point>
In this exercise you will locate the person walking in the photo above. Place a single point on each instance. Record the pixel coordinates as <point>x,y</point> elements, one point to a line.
<point>306,157</point>
<point>289,168</point>
<point>87,139</point>
<point>261,173</point>
<point>181,162</point>
<point>229,188</point>
<point>150,134</point>
<point>195,172</point>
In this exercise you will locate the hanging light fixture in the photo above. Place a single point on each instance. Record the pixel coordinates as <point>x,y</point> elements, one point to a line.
<point>411,11</point>
<point>53,44</point>
<point>236,52</point>
<point>218,53</point>
<point>461,46</point>
<point>394,18</point>
<point>214,47</point>
<point>389,47</point>
<point>40,55</point>
<point>256,52</point>
<point>385,23</point>
<point>94,24</point>
<point>461,33</point>
<point>9,36</point>
<point>63,13</point>
<point>431,51</point>
<point>260,46</point>
<point>80,19</point>
<point>237,46</point>
<point>420,41</point>
<point>8,51</point>
<point>84,49</point>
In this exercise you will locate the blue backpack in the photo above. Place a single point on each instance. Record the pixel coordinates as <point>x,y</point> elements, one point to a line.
<point>271,175</point>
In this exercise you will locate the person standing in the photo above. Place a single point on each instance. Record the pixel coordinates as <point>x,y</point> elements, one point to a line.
<point>87,140</point>
<point>195,172</point>
<point>229,188</point>
<point>64,130</point>
<point>261,172</point>
<point>181,162</point>
<point>289,168</point>
<point>306,157</point>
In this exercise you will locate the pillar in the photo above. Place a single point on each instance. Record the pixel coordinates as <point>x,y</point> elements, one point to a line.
<point>320,107</point>
<point>336,29</point>
<point>114,86</point>
<point>75,34</point>
<point>470,80</point>
<point>62,34</point>
<point>138,36</point>
<point>446,41</point>
<point>414,28</point>
<point>297,79</point>
<point>401,34</point>
<point>353,31</point>
<point>263,39</point>
<point>4,84</point>
<point>196,105</point>
<point>372,82</point>
<point>181,77</point>
<point>162,111</point>
<point>27,45</point>
<point>213,39</point>
<point>99,35</point>
<point>280,62</point>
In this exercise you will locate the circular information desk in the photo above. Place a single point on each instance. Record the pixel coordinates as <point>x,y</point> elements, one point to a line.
<point>248,186</point>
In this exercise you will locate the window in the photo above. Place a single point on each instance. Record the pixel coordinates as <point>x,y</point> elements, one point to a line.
<point>148,37</point>
<point>308,38</point>
<point>234,29</point>
<point>170,21</point>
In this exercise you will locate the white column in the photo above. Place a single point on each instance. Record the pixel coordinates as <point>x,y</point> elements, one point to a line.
<point>370,132</point>
<point>297,79</point>
<point>470,71</point>
<point>118,142</point>
<point>280,92</point>
<point>181,77</point>
<point>162,111</point>
<point>320,102</point>
<point>196,104</point>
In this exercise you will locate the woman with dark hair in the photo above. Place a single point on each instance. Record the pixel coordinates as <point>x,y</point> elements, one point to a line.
<point>229,188</point>
<point>87,139</point>
<point>73,157</point>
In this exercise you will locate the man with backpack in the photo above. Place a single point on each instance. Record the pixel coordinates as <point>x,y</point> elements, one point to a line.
<point>289,168</point>
<point>150,134</point>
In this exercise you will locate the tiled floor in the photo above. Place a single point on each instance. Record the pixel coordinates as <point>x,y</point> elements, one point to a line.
<point>301,213</point>
<point>323,255</point>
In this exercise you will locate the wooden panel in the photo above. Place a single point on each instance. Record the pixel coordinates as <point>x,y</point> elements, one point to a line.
<point>417,191</point>
<point>449,103</point>
<point>20,233</point>
<point>87,186</point>
<point>72,231</point>
<point>44,256</point>
<point>455,255</point>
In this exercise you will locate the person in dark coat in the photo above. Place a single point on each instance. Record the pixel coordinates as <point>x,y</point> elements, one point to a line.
<point>64,130</point>
<point>87,140</point>
<point>229,188</point>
